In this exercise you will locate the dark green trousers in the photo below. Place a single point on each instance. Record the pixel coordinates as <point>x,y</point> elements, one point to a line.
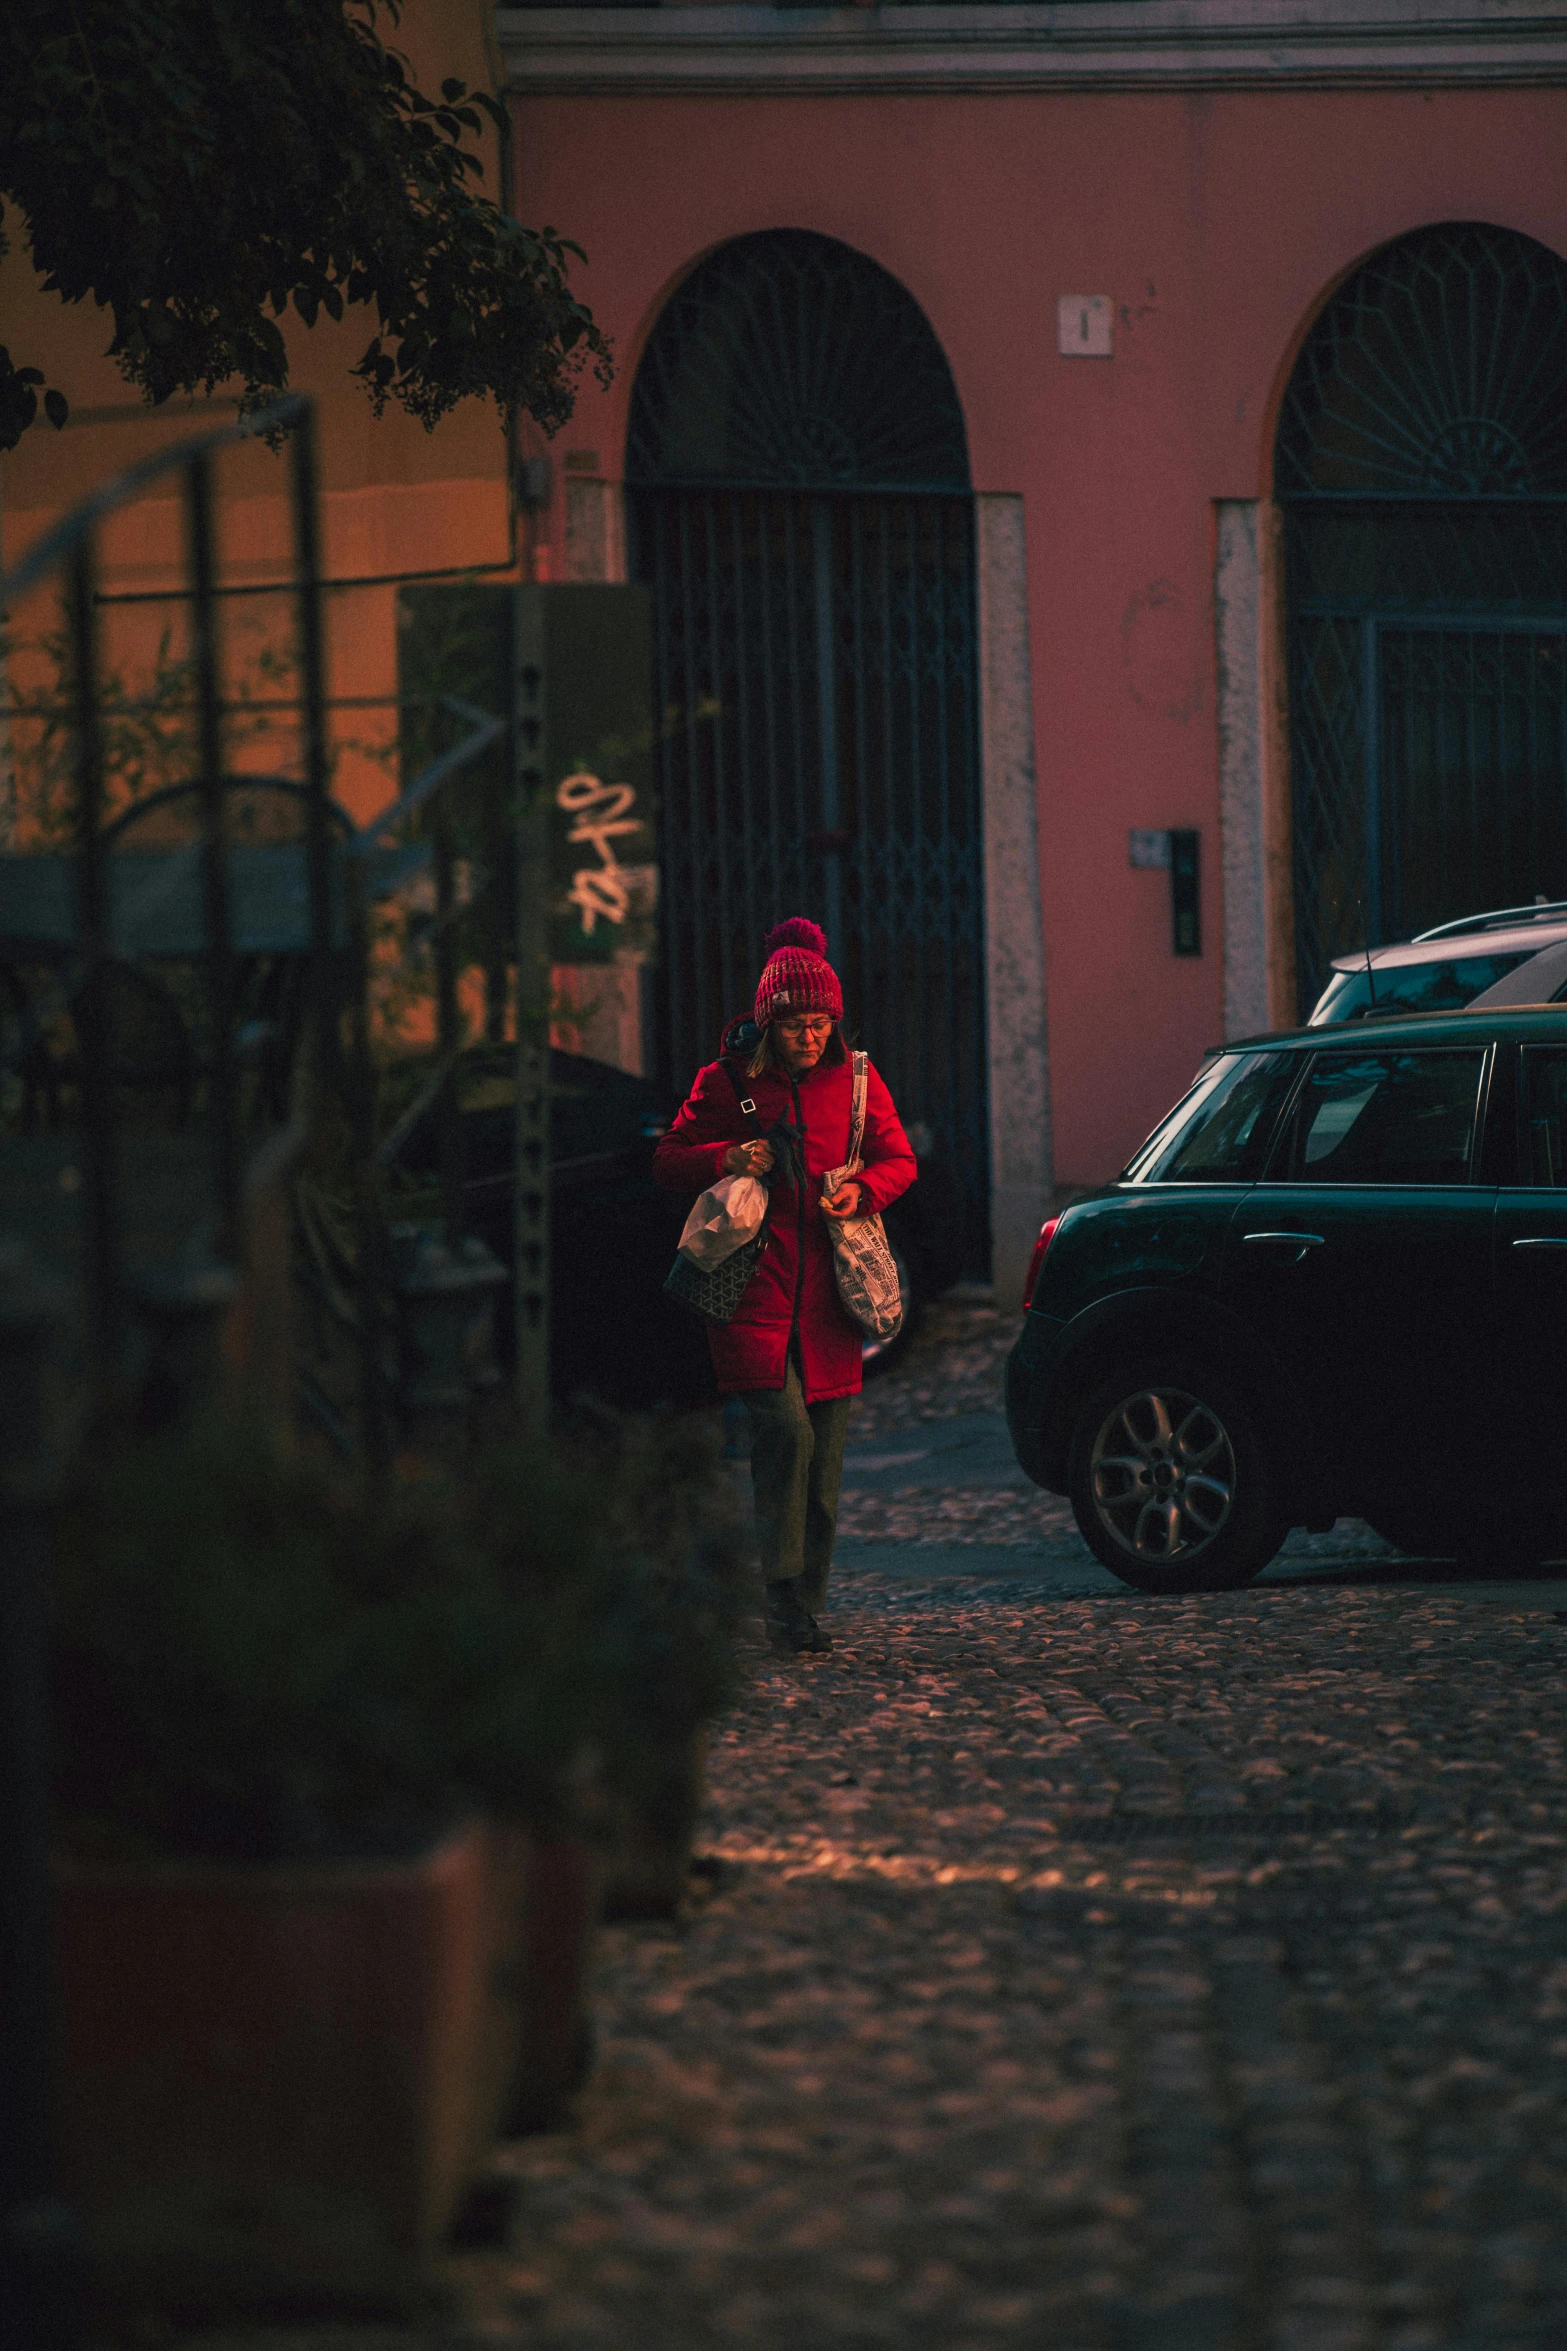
<point>796,1470</point>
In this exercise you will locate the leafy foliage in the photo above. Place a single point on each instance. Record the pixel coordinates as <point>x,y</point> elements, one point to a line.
<point>260,1657</point>
<point>148,721</point>
<point>680,1585</point>
<point>196,167</point>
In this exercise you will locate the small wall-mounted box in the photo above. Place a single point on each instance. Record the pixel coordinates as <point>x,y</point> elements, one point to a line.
<point>1185,893</point>
<point>1176,853</point>
<point>1085,326</point>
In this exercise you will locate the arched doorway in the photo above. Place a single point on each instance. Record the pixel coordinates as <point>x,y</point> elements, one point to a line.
<point>1422,469</point>
<point>798,501</point>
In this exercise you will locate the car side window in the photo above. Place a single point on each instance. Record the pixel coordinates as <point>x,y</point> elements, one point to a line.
<point>1544,1083</point>
<point>1219,1133</point>
<point>1385,1118</point>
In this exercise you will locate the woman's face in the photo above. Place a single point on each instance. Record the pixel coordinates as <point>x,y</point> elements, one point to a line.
<point>802,1040</point>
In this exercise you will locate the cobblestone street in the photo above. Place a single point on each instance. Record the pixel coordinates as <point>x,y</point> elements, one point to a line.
<point>1112,1976</point>
<point>1089,1973</point>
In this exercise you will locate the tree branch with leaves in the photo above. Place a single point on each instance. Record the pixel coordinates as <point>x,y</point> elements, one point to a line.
<point>199,167</point>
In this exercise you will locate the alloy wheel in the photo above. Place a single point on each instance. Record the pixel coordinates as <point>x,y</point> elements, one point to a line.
<point>1162,1474</point>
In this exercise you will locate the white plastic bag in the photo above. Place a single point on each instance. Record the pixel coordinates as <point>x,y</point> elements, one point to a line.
<point>728,1215</point>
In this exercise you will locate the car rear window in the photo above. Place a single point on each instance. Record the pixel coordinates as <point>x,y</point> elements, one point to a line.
<point>1218,1133</point>
<point>1385,1118</point>
<point>1446,984</point>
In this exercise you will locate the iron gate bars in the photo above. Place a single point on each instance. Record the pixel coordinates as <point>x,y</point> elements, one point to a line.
<point>343,870</point>
<point>71,550</point>
<point>799,499</point>
<point>815,664</point>
<point>1468,745</point>
<point>214,844</point>
<point>1422,465</point>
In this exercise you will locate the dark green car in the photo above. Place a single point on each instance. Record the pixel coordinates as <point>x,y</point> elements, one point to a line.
<point>1333,1280</point>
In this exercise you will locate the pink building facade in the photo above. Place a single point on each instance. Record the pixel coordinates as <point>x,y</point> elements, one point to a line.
<point>1124,221</point>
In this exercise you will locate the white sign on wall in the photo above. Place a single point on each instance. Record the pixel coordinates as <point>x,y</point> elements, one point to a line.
<point>1084,325</point>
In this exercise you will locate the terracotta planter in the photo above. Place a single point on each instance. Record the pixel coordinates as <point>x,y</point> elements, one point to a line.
<point>273,2084</point>
<point>649,1865</point>
<point>562,1891</point>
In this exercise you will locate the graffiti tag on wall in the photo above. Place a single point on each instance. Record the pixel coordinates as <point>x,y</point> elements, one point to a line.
<point>602,814</point>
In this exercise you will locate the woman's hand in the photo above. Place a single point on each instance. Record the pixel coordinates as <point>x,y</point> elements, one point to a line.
<point>752,1159</point>
<point>843,1204</point>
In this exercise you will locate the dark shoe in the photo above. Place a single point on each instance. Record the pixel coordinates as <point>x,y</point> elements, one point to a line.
<point>791,1627</point>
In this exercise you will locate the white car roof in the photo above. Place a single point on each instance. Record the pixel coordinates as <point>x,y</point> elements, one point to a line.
<point>1523,938</point>
<point>1534,982</point>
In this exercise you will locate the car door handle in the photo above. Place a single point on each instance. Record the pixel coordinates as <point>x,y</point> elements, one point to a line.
<point>1300,1241</point>
<point>1543,1241</point>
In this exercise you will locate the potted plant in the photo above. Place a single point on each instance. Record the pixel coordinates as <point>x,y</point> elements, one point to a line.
<point>291,1960</point>
<point>677,1593</point>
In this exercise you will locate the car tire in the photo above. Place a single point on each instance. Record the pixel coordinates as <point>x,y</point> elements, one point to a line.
<point>879,1355</point>
<point>1171,1483</point>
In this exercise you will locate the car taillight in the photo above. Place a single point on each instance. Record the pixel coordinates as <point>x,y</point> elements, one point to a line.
<point>1047,1233</point>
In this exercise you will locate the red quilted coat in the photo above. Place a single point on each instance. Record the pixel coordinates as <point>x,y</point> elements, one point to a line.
<point>794,1292</point>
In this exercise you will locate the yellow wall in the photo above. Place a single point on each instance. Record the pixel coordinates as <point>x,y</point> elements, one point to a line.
<point>397,500</point>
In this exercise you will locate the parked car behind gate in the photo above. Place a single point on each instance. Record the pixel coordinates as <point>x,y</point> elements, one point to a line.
<point>1513,955</point>
<point>1333,1280</point>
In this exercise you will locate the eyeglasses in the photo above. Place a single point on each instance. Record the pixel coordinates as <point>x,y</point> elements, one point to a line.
<point>803,1024</point>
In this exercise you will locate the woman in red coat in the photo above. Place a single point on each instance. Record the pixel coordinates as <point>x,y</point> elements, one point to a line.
<point>791,1351</point>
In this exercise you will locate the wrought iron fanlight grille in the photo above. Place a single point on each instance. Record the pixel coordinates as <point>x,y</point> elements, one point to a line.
<point>789,361</point>
<point>1422,467</point>
<point>1437,371</point>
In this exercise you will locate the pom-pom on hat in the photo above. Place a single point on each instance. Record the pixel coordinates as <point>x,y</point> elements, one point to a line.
<point>797,976</point>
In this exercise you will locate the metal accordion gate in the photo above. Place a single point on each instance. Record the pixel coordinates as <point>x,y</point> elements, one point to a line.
<point>1422,469</point>
<point>798,502</point>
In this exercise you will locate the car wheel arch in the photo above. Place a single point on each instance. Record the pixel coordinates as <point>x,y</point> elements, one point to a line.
<point>1165,1321</point>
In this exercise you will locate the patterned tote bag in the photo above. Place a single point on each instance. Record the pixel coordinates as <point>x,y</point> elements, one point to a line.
<point>862,1259</point>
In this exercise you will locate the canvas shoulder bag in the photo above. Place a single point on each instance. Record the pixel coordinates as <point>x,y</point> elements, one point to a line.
<point>717,1289</point>
<point>862,1257</point>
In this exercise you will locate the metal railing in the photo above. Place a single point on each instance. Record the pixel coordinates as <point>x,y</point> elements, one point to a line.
<point>71,551</point>
<point>93,909</point>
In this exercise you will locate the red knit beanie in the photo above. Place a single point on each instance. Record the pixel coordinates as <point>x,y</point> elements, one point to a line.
<point>798,976</point>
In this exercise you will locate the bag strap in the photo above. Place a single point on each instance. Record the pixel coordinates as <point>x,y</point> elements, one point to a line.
<point>744,1100</point>
<point>749,1109</point>
<point>857,1104</point>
